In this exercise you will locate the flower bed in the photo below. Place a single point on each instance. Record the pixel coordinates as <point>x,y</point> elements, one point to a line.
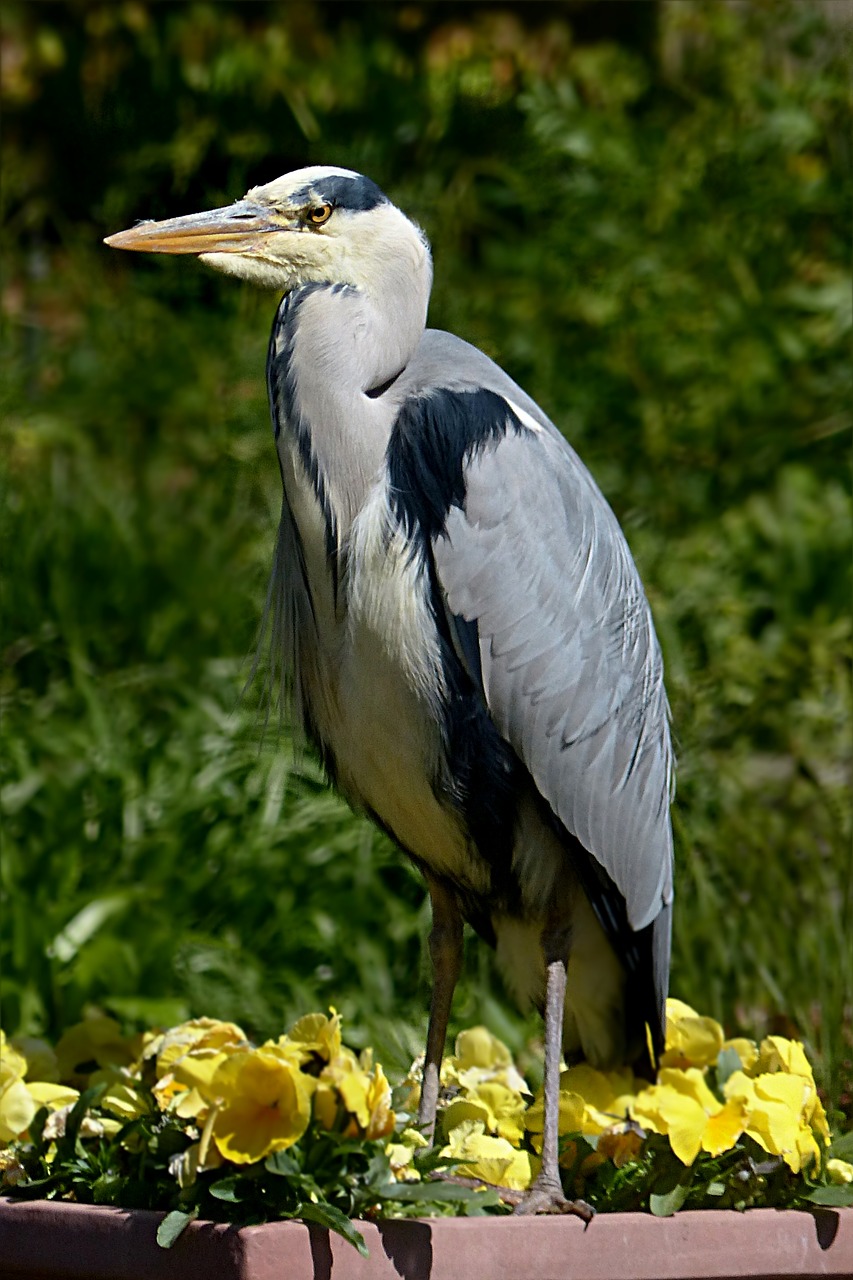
<point>49,1240</point>
<point>198,1121</point>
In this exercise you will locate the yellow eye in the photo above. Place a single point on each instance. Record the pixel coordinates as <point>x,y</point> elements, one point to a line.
<point>320,214</point>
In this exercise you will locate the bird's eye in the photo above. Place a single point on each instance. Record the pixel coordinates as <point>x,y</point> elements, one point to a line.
<point>319,214</point>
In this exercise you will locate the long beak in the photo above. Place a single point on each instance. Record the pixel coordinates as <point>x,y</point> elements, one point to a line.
<point>234,229</point>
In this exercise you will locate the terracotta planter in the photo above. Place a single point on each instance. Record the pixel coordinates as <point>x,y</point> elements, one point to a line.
<point>43,1240</point>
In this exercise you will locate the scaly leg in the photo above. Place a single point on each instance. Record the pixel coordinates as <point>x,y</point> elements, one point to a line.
<point>445,948</point>
<point>546,1194</point>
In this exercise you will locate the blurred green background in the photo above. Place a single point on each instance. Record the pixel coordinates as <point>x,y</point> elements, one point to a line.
<point>640,210</point>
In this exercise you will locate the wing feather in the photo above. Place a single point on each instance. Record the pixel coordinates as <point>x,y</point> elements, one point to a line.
<point>570,664</point>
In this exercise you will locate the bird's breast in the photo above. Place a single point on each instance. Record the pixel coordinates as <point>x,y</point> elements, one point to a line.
<point>372,677</point>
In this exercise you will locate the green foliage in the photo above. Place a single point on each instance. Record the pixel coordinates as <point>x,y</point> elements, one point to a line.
<point>648,234</point>
<point>324,1178</point>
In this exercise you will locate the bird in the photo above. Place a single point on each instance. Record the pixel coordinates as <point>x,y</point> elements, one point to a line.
<point>460,628</point>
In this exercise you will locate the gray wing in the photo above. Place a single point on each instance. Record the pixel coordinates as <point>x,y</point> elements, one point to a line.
<point>571,668</point>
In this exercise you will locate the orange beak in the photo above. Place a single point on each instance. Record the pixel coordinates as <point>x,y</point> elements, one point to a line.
<point>233,229</point>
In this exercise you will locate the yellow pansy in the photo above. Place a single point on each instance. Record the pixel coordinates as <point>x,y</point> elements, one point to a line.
<point>327,1092</point>
<point>621,1144</point>
<point>16,1106</point>
<point>778,1106</point>
<point>316,1034</point>
<point>122,1095</point>
<point>779,1054</point>
<point>691,1040</point>
<point>571,1116</point>
<point>839,1171</point>
<point>683,1107</point>
<point>187,1058</point>
<point>591,1101</point>
<point>42,1063</point>
<point>401,1154</point>
<point>95,1042</point>
<point>263,1104</point>
<point>368,1099</point>
<point>481,1155</point>
<point>479,1058</point>
<point>606,1094</point>
<point>20,1099</point>
<point>501,1109</point>
<point>201,1037</point>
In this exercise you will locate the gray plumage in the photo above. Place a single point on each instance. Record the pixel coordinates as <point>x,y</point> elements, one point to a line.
<point>458,623</point>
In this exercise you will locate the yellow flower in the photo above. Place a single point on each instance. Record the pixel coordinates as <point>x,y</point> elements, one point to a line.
<point>492,1159</point>
<point>368,1099</point>
<point>401,1154</point>
<point>327,1087</point>
<point>778,1054</point>
<point>263,1104</point>
<point>570,1117</point>
<point>621,1144</point>
<point>121,1095</point>
<point>202,1037</point>
<point>591,1101</point>
<point>691,1041</point>
<point>779,1108</point>
<point>17,1107</point>
<point>95,1042</point>
<point>840,1172</point>
<point>316,1034</point>
<point>480,1058</point>
<point>500,1109</point>
<point>187,1058</point>
<point>682,1106</point>
<point>42,1063</point>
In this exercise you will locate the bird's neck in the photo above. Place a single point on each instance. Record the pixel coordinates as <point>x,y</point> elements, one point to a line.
<point>334,347</point>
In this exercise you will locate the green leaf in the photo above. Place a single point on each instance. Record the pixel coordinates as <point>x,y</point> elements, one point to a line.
<point>66,1146</point>
<point>728,1062</point>
<point>283,1164</point>
<point>832,1197</point>
<point>173,1225</point>
<point>841,1147</point>
<point>328,1216</point>
<point>665,1204</point>
<point>670,1189</point>
<point>226,1189</point>
<point>715,1189</point>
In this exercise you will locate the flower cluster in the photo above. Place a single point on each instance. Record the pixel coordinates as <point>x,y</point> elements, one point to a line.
<point>710,1094</point>
<point>226,1120</point>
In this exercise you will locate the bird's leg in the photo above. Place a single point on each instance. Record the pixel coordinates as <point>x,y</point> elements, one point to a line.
<point>546,1194</point>
<point>445,948</point>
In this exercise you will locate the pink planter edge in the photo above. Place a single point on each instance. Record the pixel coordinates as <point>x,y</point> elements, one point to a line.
<point>55,1240</point>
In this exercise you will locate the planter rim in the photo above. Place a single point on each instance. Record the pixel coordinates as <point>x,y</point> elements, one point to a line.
<point>56,1240</point>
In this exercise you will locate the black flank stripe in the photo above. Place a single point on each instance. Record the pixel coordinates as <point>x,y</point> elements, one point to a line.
<point>285,412</point>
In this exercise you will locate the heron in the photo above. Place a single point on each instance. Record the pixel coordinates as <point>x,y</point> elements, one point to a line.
<point>460,627</point>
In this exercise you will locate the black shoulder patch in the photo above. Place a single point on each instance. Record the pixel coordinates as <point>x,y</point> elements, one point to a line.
<point>433,438</point>
<point>358,194</point>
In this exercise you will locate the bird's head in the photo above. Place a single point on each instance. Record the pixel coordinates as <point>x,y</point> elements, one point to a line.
<point>316,225</point>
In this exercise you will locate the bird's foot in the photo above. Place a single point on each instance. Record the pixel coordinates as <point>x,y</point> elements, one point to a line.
<point>548,1197</point>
